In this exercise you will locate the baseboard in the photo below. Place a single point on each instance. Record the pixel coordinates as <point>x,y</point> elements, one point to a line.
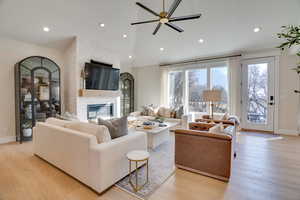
<point>8,139</point>
<point>287,132</point>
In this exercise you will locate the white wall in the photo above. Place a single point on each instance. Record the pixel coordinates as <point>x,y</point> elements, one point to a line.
<point>147,86</point>
<point>288,101</point>
<point>11,52</point>
<point>77,54</point>
<point>70,76</point>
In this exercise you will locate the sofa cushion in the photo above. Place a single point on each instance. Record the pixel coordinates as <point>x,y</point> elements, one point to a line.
<point>101,132</point>
<point>117,127</point>
<point>57,122</point>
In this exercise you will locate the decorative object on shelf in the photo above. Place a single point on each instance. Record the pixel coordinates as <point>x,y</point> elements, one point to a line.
<point>165,17</point>
<point>44,93</point>
<point>27,96</point>
<point>127,90</point>
<point>37,83</point>
<point>291,34</point>
<point>212,96</point>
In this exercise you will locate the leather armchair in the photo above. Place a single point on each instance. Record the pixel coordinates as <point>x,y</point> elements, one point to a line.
<point>202,152</point>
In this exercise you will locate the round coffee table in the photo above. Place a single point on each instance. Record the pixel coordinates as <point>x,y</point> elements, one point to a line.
<point>138,156</point>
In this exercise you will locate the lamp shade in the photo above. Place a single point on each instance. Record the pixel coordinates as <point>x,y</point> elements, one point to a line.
<point>211,95</point>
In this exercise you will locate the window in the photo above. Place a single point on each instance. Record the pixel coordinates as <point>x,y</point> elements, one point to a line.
<point>186,88</point>
<point>176,89</point>
<point>219,80</point>
<point>197,80</point>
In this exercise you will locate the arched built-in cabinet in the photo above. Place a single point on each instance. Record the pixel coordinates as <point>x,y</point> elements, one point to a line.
<point>127,97</point>
<point>37,91</point>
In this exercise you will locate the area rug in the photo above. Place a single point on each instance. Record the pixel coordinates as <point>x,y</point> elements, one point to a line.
<point>161,167</point>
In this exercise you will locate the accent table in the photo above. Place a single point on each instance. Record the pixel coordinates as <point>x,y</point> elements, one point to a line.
<point>137,156</point>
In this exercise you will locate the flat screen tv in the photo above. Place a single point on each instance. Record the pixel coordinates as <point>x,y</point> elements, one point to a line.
<point>101,77</point>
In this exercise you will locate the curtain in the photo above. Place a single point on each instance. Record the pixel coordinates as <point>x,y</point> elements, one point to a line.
<point>164,86</point>
<point>234,67</point>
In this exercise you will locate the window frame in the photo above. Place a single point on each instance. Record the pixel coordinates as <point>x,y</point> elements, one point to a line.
<point>185,70</point>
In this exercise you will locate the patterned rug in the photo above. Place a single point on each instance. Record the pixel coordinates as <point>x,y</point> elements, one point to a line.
<point>161,167</point>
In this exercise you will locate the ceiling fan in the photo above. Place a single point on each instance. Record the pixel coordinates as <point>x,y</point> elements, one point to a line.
<point>166,17</point>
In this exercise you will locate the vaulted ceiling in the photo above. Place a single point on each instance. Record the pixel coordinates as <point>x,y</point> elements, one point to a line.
<point>226,26</point>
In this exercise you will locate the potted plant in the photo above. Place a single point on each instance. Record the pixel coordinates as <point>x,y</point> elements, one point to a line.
<point>291,35</point>
<point>27,128</point>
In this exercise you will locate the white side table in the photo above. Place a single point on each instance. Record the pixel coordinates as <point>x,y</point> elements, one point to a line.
<point>138,156</point>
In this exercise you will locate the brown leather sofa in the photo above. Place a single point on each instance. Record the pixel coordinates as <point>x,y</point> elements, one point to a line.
<point>202,152</point>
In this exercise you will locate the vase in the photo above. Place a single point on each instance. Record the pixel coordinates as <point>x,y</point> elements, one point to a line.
<point>27,132</point>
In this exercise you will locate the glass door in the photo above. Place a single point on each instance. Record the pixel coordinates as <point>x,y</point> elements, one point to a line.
<point>258,94</point>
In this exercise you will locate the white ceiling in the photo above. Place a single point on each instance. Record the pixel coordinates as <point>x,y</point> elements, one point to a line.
<point>226,26</point>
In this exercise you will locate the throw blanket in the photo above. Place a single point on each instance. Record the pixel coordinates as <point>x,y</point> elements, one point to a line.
<point>235,119</point>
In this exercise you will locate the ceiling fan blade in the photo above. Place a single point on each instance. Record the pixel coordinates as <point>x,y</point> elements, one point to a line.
<point>145,22</point>
<point>173,7</point>
<point>157,28</point>
<point>148,9</point>
<point>173,26</point>
<point>188,17</point>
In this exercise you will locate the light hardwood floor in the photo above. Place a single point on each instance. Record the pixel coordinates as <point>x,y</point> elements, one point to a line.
<point>267,167</point>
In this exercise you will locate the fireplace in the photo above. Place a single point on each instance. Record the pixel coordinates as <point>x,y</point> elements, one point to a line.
<point>105,111</point>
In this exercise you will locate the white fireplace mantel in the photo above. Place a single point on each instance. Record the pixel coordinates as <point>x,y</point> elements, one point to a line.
<point>99,93</point>
<point>92,97</point>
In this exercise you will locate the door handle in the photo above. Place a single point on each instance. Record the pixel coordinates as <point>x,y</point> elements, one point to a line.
<point>271,103</point>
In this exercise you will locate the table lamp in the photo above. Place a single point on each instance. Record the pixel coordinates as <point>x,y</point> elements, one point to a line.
<point>212,96</point>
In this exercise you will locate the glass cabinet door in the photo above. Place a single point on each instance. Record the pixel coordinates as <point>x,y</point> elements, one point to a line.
<point>127,98</point>
<point>41,98</point>
<point>37,94</point>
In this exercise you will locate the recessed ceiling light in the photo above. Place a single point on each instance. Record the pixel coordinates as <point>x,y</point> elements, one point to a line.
<point>161,49</point>
<point>256,29</point>
<point>102,25</point>
<point>124,36</point>
<point>46,29</point>
<point>201,40</point>
<point>129,57</point>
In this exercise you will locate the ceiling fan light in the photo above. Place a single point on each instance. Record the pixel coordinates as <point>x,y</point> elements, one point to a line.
<point>164,20</point>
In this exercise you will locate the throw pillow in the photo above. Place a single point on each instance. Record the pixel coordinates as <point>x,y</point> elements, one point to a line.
<point>101,132</point>
<point>57,122</point>
<point>117,127</point>
<point>164,112</point>
<point>148,110</point>
<point>219,128</point>
<point>179,112</point>
<point>225,116</point>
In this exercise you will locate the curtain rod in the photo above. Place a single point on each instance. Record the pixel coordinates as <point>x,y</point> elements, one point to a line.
<point>199,60</point>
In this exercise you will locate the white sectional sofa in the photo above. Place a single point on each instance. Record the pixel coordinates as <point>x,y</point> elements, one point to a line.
<point>99,166</point>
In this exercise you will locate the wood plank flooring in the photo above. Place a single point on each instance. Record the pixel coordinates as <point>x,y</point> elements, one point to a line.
<point>267,167</point>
